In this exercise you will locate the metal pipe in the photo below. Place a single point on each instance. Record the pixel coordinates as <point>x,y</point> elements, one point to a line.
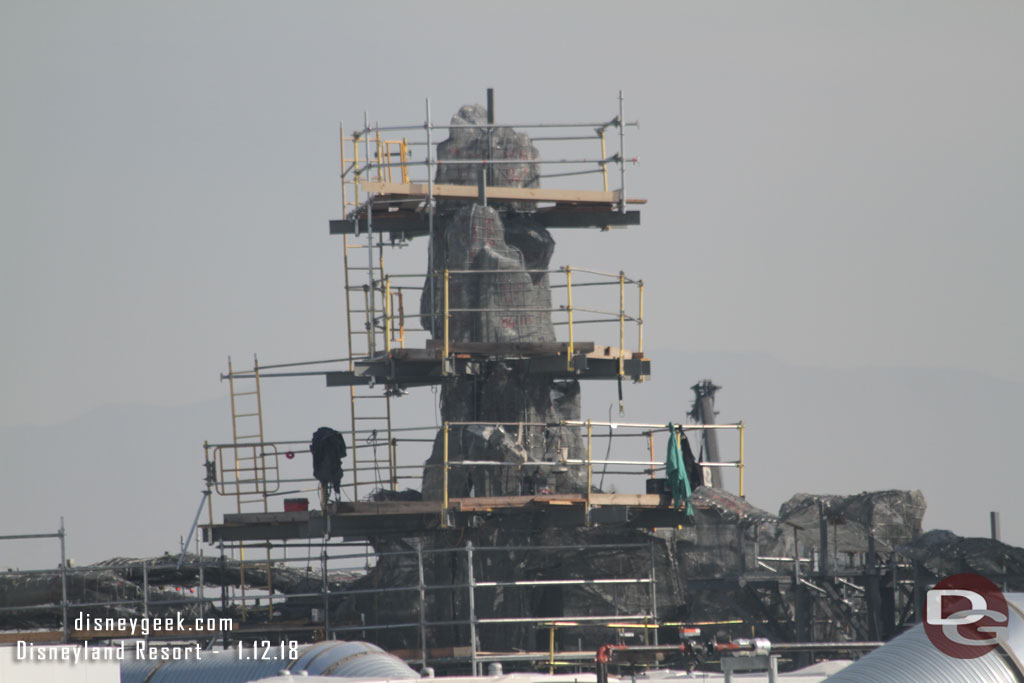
<point>380,159</point>
<point>516,162</point>
<point>568,173</point>
<point>247,374</point>
<point>325,591</point>
<point>556,463</point>
<point>423,601</point>
<point>542,620</point>
<point>614,276</point>
<point>451,126</point>
<point>192,530</point>
<point>783,558</point>
<point>471,588</point>
<point>596,311</point>
<point>356,171</point>
<point>341,143</point>
<point>447,319</point>
<point>650,445</point>
<point>541,271</point>
<point>561,582</point>
<point>568,286</point>
<point>532,271</point>
<point>563,138</point>
<point>387,316</point>
<point>859,645</point>
<point>431,246</point>
<point>551,650</point>
<point>15,537</point>
<point>603,321</point>
<point>508,310</point>
<point>65,637</point>
<point>741,465</point>
<point>467,423</point>
<point>622,327</point>
<point>202,583</point>
<point>654,594</point>
<point>656,427</point>
<point>586,284</point>
<point>503,548</point>
<point>582,655</point>
<point>590,470</point>
<point>371,330</point>
<point>371,165</point>
<point>622,159</point>
<point>444,498</point>
<point>604,167</point>
<point>640,318</point>
<point>145,596</point>
<point>604,546</point>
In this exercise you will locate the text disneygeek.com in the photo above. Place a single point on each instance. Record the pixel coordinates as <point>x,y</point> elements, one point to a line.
<point>113,632</point>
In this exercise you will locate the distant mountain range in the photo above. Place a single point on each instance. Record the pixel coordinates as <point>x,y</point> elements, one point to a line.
<point>128,479</point>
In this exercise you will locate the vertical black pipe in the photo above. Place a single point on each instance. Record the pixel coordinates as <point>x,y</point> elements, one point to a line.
<point>486,175</point>
<point>825,558</point>
<point>704,413</point>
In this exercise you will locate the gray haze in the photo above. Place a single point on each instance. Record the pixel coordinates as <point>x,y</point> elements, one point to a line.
<point>832,186</point>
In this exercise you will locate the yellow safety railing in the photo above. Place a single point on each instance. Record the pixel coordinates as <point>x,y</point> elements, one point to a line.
<point>620,316</point>
<point>624,429</point>
<point>367,155</point>
<point>378,159</point>
<point>256,474</point>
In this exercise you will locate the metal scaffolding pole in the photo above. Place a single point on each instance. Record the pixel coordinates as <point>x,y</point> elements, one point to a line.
<point>326,592</point>
<point>472,609</point>
<point>145,596</point>
<point>423,602</point>
<point>431,247</point>
<point>622,158</point>
<point>63,584</point>
<point>654,594</point>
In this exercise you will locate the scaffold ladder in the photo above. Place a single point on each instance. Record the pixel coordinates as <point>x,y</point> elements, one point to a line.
<point>255,473</point>
<point>250,471</point>
<point>371,445</point>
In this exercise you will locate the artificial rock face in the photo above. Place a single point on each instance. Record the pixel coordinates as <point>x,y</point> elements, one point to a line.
<point>496,252</point>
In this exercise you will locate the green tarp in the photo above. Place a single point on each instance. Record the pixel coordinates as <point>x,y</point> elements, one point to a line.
<point>675,470</point>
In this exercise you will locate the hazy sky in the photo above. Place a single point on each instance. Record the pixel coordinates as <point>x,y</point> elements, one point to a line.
<point>833,184</point>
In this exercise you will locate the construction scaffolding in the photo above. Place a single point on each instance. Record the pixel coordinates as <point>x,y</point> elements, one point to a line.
<point>388,186</point>
<point>492,530</point>
<point>489,303</point>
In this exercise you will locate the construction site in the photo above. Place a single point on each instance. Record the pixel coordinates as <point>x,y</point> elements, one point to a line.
<point>514,530</point>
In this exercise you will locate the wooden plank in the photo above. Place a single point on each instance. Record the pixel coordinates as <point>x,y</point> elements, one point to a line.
<point>630,499</point>
<point>535,194</point>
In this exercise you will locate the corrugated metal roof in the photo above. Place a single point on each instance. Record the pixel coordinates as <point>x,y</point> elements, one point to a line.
<point>911,658</point>
<point>329,658</point>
